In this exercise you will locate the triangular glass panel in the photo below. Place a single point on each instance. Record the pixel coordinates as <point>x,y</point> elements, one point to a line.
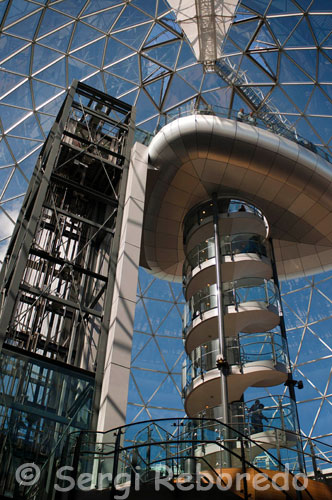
<point>299,98</point>
<point>134,37</point>
<point>3,7</point>
<point>149,357</point>
<point>312,348</point>
<point>144,107</point>
<point>116,86</point>
<point>157,311</point>
<point>145,279</point>
<point>306,60</point>
<point>193,75</point>
<point>315,104</point>
<point>165,54</point>
<point>305,130</point>
<point>5,173</point>
<point>10,116</point>
<point>27,165</point>
<point>169,22</point>
<point>52,20</point>
<point>219,99</point>
<point>324,68</point>
<point>46,122</point>
<point>162,7</point>
<point>20,9</point>
<point>156,90</point>
<point>71,7</point>
<point>242,32</point>
<point>99,5</point>
<point>301,36</point>
<point>115,51</point>
<point>83,34</point>
<point>328,41</point>
<point>58,40</point>
<point>325,416</point>
<point>28,128</point>
<point>10,44</point>
<point>148,6</point>
<point>17,185</point>
<point>258,6</point>
<point>5,156</point>
<point>295,308</point>
<point>159,290</point>
<point>282,7</point>
<point>127,68</point>
<point>19,63</point>
<point>133,393</point>
<point>289,72</point>
<point>308,414</point>
<point>8,81</point>
<point>25,28</point>
<point>211,81</point>
<point>77,70</point>
<point>43,56</point>
<point>172,350</point>
<point>186,56</point>
<point>43,92</point>
<point>92,53</point>
<point>130,17</point>
<point>105,20</point>
<point>150,70</point>
<point>141,322</point>
<point>159,34</point>
<point>55,73</point>
<point>139,342</point>
<point>166,395</point>
<point>132,411</point>
<point>317,372</point>
<point>96,81</point>
<point>263,39</point>
<point>294,337</point>
<point>252,73</point>
<point>321,26</point>
<point>53,106</point>
<point>269,61</point>
<point>170,325</point>
<point>282,27</point>
<point>12,207</point>
<point>148,382</point>
<point>148,126</point>
<point>179,91</point>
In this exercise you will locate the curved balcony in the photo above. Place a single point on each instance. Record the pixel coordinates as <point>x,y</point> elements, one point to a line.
<point>250,305</point>
<point>255,361</point>
<point>238,251</point>
<point>236,216</point>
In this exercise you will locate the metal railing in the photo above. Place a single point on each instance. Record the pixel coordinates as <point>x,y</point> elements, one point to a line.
<point>244,349</point>
<point>262,119</point>
<point>242,243</point>
<point>200,213</point>
<point>235,293</point>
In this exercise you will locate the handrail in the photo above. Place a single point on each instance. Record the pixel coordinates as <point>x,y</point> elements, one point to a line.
<point>121,430</point>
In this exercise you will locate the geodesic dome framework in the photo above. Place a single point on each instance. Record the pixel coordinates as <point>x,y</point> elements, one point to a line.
<point>277,58</point>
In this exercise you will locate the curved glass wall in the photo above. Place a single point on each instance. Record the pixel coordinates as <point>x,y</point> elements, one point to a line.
<point>268,346</point>
<point>235,293</point>
<point>232,245</point>
<point>198,214</point>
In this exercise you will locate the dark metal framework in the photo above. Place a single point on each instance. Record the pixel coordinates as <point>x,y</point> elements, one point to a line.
<point>58,276</point>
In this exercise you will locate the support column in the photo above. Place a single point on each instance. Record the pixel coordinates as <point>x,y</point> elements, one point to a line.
<point>222,364</point>
<point>113,401</point>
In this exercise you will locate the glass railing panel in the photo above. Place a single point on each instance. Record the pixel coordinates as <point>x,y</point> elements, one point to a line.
<point>230,246</point>
<point>234,293</point>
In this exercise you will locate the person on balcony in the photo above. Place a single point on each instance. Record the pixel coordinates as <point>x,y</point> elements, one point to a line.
<point>251,118</point>
<point>240,116</point>
<point>257,417</point>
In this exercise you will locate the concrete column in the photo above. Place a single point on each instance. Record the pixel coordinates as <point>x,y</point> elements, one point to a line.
<point>114,392</point>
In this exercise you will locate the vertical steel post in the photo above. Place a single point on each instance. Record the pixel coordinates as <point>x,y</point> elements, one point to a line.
<point>222,362</point>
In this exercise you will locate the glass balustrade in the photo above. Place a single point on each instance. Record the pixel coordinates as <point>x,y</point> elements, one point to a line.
<point>235,293</point>
<point>233,245</point>
<point>245,349</point>
<point>198,214</point>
